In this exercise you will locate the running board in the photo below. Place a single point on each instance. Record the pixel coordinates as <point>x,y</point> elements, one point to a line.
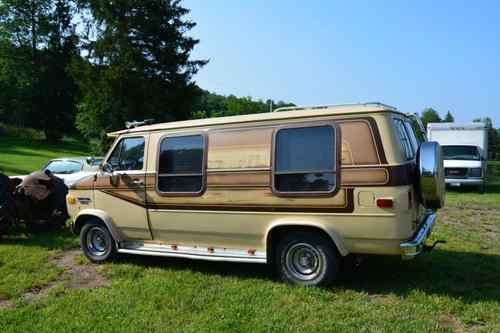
<point>190,252</point>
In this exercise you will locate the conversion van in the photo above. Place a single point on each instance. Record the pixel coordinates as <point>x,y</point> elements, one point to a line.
<point>298,188</point>
<point>465,152</point>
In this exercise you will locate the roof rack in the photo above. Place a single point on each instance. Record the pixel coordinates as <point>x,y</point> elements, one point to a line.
<point>135,123</point>
<point>322,107</point>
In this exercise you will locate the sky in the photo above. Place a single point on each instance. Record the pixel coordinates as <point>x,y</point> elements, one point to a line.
<point>409,54</point>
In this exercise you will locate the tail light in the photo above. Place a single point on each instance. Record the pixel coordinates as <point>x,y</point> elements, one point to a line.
<point>385,203</point>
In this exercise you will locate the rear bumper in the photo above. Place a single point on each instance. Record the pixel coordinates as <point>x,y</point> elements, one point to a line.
<point>464,181</point>
<point>414,246</point>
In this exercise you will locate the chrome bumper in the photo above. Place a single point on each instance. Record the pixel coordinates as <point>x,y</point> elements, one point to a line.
<point>413,247</point>
<point>464,181</point>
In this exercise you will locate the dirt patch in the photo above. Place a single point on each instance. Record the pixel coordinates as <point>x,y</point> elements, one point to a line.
<point>384,299</point>
<point>74,276</point>
<point>79,276</point>
<point>452,323</point>
<point>6,304</point>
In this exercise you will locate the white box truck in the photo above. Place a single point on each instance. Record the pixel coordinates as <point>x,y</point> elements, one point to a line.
<point>465,152</point>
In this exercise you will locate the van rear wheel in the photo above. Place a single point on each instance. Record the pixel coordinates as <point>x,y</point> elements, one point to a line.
<point>96,242</point>
<point>307,259</point>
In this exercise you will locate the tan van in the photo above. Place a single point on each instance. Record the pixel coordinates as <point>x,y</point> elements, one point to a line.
<point>298,188</point>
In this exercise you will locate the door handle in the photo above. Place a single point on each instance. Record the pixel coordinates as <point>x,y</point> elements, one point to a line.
<point>138,182</point>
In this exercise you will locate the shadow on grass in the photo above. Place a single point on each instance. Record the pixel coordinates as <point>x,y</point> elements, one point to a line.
<point>223,269</point>
<point>51,240</point>
<point>472,277</point>
<point>14,171</point>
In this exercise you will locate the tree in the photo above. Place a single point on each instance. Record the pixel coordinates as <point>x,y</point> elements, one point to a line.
<point>37,43</point>
<point>448,118</point>
<point>486,120</point>
<point>59,89</point>
<point>138,66</point>
<point>23,29</point>
<point>210,105</point>
<point>497,146</point>
<point>492,135</point>
<point>429,115</point>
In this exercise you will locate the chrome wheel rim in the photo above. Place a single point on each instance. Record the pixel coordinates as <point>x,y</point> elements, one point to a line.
<point>97,242</point>
<point>304,261</point>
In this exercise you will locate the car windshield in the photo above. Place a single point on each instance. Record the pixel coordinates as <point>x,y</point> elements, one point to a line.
<point>461,153</point>
<point>63,167</point>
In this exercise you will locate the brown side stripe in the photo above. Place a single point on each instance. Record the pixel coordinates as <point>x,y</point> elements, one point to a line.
<point>378,139</point>
<point>348,208</point>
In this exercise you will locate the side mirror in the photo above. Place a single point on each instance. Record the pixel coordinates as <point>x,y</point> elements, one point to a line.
<point>106,167</point>
<point>90,160</point>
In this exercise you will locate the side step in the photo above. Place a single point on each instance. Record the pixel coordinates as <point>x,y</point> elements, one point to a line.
<point>190,252</point>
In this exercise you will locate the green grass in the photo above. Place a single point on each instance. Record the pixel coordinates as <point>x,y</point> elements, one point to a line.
<point>453,289</point>
<point>19,156</point>
<point>24,261</point>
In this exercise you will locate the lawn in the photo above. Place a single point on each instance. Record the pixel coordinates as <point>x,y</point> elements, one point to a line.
<point>19,157</point>
<point>453,289</point>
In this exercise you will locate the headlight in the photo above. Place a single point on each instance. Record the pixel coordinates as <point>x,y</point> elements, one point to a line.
<point>475,172</point>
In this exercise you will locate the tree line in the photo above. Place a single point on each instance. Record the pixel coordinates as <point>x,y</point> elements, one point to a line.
<point>87,66</point>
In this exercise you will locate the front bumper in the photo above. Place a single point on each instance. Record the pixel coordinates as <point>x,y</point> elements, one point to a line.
<point>464,181</point>
<point>413,247</point>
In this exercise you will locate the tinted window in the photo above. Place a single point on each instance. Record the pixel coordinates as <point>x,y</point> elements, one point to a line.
<point>64,167</point>
<point>180,166</point>
<point>128,155</point>
<point>404,139</point>
<point>305,159</point>
<point>412,135</point>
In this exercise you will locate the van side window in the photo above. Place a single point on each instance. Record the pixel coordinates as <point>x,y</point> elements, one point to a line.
<point>404,139</point>
<point>181,164</point>
<point>128,155</point>
<point>305,160</point>
<point>412,135</point>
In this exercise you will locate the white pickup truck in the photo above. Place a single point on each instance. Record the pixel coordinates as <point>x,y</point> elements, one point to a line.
<point>465,152</point>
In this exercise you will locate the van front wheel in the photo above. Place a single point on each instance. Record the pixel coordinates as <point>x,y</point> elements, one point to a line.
<point>307,259</point>
<point>96,242</point>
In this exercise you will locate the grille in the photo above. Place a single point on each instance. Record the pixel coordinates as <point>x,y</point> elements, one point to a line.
<point>455,172</point>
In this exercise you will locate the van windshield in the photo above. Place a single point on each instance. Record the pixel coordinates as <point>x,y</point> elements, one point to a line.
<point>461,153</point>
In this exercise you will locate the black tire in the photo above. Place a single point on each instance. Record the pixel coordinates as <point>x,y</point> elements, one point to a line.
<point>307,259</point>
<point>96,242</point>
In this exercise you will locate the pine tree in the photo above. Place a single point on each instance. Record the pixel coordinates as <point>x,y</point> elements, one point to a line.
<point>139,64</point>
<point>448,118</point>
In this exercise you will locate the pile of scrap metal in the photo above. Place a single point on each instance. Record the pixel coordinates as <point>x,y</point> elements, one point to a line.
<point>38,201</point>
